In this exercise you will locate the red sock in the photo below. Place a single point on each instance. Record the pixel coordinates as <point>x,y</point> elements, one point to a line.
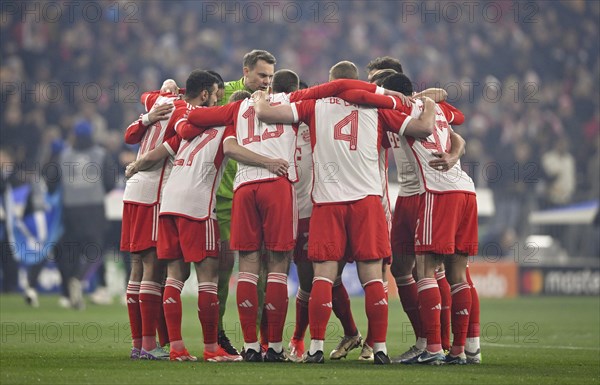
<point>276,304</point>
<point>301,314</point>
<point>461,308</point>
<point>135,316</point>
<point>407,290</point>
<point>150,303</point>
<point>376,307</point>
<point>264,327</point>
<point>369,340</point>
<point>161,325</point>
<point>429,312</point>
<point>474,316</point>
<point>319,307</point>
<point>208,311</point>
<point>247,302</point>
<point>341,307</point>
<point>444,286</point>
<point>172,308</point>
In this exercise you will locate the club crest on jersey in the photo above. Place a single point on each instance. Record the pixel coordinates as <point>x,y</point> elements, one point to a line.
<point>306,136</point>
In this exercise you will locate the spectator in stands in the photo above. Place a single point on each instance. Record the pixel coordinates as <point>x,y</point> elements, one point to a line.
<point>547,68</point>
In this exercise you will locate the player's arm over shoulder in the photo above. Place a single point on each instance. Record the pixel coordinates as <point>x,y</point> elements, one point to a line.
<point>404,124</point>
<point>149,159</point>
<point>437,94</point>
<point>453,115</point>
<point>282,113</point>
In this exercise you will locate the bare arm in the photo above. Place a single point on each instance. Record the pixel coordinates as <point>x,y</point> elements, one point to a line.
<point>136,130</point>
<point>458,144</point>
<point>437,94</point>
<point>148,160</point>
<point>271,114</point>
<point>232,149</point>
<point>424,125</point>
<point>445,161</point>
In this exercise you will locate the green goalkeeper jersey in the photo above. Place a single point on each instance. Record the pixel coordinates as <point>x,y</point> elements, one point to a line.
<point>225,190</point>
<point>230,88</point>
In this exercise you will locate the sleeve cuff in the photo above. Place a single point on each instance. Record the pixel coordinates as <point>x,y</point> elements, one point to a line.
<point>393,100</point>
<point>380,90</point>
<point>169,149</point>
<point>294,112</point>
<point>403,128</point>
<point>146,120</point>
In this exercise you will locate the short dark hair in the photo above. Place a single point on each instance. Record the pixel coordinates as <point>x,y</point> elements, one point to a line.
<point>381,75</point>
<point>221,83</point>
<point>398,82</point>
<point>239,95</point>
<point>385,62</point>
<point>199,81</point>
<point>344,70</point>
<point>252,57</point>
<point>302,85</point>
<point>285,81</point>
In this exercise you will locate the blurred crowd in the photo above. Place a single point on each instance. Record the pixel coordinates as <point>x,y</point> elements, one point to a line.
<point>524,73</point>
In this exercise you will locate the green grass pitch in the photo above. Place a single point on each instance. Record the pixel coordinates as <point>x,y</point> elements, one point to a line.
<point>524,341</point>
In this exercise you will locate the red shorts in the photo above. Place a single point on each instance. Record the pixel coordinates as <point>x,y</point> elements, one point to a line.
<point>404,223</point>
<point>264,212</point>
<point>447,224</point>
<point>360,225</point>
<point>139,230</point>
<point>190,239</point>
<point>301,250</point>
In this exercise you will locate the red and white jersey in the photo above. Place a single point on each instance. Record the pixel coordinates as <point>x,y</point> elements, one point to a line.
<point>383,172</point>
<point>406,164</point>
<point>145,187</point>
<point>191,188</point>
<point>433,180</point>
<point>270,140</point>
<point>305,173</point>
<point>409,178</point>
<point>346,139</point>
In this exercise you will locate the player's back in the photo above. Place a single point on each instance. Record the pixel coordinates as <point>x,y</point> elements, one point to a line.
<point>271,140</point>
<point>304,164</point>
<point>146,187</point>
<point>191,187</point>
<point>346,142</point>
<point>439,141</point>
<point>157,132</point>
<point>409,180</point>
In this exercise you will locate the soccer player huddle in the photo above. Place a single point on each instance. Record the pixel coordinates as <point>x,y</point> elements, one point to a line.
<point>278,172</point>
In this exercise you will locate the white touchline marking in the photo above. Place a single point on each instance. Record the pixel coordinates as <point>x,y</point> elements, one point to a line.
<point>535,346</point>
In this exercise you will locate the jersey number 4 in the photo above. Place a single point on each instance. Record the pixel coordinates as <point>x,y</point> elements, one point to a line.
<point>352,137</point>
